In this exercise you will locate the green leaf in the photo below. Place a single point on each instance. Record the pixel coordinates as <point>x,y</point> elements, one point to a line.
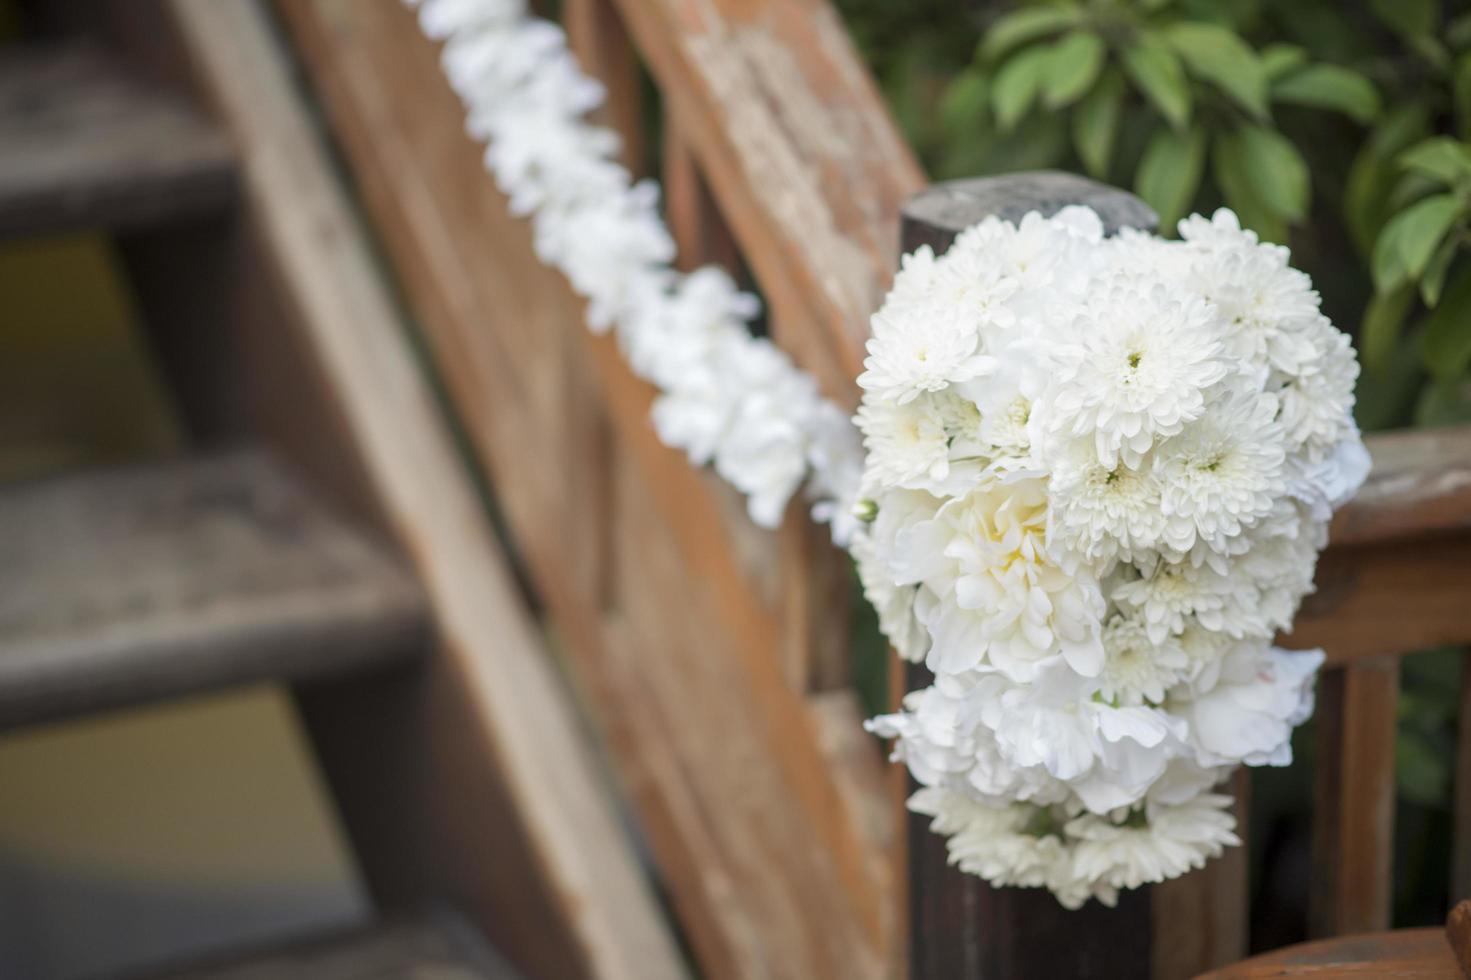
<point>1096,124</point>
<point>1267,162</point>
<point>1279,59</point>
<point>1234,178</point>
<point>964,104</point>
<point>1370,178</point>
<point>1025,25</point>
<point>1384,318</point>
<point>1412,18</point>
<point>1330,87</point>
<point>1169,173</point>
<point>1072,68</point>
<point>1433,281</point>
<point>1446,402</point>
<point>1158,73</point>
<point>1447,345</point>
<point>1386,400</point>
<point>1415,232</point>
<point>1461,95</point>
<point>1016,86</point>
<point>1217,55</point>
<point>1441,157</point>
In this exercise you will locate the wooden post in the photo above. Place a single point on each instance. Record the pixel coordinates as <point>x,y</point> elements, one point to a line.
<point>960,926</point>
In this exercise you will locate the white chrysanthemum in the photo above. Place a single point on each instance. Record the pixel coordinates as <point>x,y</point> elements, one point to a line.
<point>1133,368</point>
<point>919,349</point>
<point>1006,845</point>
<point>907,444</point>
<point>970,283</point>
<point>1318,400</point>
<point>1102,514</point>
<point>1167,596</point>
<point>1010,604</point>
<point>1267,306</point>
<point>1222,473</point>
<point>1136,668</point>
<point>1153,844</point>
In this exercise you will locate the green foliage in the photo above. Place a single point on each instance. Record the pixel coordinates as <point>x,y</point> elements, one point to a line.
<point>1194,94</point>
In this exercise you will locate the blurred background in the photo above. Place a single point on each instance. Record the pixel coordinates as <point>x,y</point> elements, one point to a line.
<point>148,835</point>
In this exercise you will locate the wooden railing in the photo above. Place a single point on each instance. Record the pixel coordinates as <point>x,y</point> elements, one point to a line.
<point>712,655</point>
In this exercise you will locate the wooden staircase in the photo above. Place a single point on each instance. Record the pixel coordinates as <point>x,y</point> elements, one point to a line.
<point>156,581</point>
<point>265,555</point>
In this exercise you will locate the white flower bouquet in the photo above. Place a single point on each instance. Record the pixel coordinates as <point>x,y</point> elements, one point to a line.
<point>1099,472</point>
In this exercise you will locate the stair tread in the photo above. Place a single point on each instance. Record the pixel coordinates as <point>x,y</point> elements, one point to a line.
<point>151,581</point>
<point>442,949</point>
<point>85,144</point>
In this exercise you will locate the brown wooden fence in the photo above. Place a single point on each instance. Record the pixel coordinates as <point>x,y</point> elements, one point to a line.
<point>712,655</point>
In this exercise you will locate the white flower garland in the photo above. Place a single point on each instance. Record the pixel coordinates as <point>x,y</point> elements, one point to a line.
<point>1098,476</point>
<point>726,398</point>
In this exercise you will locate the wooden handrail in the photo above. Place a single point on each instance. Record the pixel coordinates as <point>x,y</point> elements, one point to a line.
<point>804,160</point>
<point>651,575</point>
<point>1420,485</point>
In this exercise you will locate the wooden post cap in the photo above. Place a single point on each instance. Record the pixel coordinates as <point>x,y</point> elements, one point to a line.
<point>938,213</point>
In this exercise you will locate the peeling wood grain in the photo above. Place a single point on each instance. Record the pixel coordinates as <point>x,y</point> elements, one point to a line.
<point>802,156</point>
<point>1405,954</point>
<point>1387,597</point>
<point>1420,484</point>
<point>1353,799</point>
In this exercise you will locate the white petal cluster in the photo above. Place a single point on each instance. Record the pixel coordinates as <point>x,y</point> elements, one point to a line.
<point>1098,476</point>
<point>726,398</point>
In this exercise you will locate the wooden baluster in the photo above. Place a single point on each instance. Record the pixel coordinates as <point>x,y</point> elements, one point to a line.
<point>805,577</point>
<point>597,36</point>
<point>1353,819</point>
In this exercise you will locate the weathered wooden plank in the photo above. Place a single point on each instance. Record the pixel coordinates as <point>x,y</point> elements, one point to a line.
<point>1389,596</point>
<point>1405,954</point>
<point>597,35</point>
<point>154,581</point>
<point>85,144</point>
<point>803,578</point>
<point>1420,484</point>
<point>473,777</point>
<point>446,949</point>
<point>805,161</point>
<point>1353,808</point>
<point>717,752</point>
<point>1200,920</point>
